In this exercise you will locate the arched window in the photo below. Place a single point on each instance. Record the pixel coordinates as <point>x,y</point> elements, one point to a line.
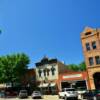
<point>53,70</point>
<point>39,72</point>
<point>44,72</point>
<point>48,72</point>
<point>96,77</point>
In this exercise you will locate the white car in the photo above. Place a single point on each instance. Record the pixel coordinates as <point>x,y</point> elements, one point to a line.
<point>81,91</point>
<point>36,94</point>
<point>68,93</point>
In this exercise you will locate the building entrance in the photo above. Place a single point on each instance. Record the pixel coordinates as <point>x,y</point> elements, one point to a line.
<point>81,85</point>
<point>96,77</point>
<point>65,85</point>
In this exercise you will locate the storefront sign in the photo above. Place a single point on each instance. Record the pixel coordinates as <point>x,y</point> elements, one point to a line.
<point>72,76</point>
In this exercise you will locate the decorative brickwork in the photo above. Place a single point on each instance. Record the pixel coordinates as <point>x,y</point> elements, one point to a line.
<point>91,49</point>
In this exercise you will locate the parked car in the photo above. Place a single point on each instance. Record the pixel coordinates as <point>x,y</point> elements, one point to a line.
<point>81,91</point>
<point>2,94</point>
<point>36,94</point>
<point>97,94</point>
<point>89,95</point>
<point>68,93</point>
<point>23,94</point>
<point>11,93</point>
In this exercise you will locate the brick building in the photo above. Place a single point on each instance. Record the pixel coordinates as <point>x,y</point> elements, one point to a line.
<point>77,80</point>
<point>91,48</point>
<point>29,80</point>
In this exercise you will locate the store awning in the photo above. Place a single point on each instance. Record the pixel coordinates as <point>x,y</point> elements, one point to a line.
<point>43,85</point>
<point>2,85</point>
<point>40,86</point>
<point>52,84</point>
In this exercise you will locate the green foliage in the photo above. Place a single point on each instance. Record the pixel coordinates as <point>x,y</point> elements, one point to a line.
<point>73,67</point>
<point>13,67</point>
<point>80,67</point>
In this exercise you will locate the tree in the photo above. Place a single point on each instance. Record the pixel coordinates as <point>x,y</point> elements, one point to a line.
<point>82,66</point>
<point>13,68</point>
<point>73,67</point>
<point>79,67</point>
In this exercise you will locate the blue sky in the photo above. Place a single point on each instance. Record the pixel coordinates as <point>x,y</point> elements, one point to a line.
<point>46,27</point>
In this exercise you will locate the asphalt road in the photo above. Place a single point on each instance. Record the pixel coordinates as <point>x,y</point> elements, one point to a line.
<point>50,97</point>
<point>46,97</point>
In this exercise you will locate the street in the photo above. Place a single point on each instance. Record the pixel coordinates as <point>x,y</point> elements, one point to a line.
<point>46,97</point>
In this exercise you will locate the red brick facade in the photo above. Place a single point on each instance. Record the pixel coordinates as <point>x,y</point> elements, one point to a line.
<point>71,76</point>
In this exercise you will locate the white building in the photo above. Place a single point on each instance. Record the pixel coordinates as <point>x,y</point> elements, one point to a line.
<point>47,74</point>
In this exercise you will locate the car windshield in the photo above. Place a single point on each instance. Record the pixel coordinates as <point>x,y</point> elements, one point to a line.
<point>81,89</point>
<point>36,92</point>
<point>63,90</point>
<point>70,89</point>
<point>67,89</point>
<point>23,91</point>
<point>97,91</point>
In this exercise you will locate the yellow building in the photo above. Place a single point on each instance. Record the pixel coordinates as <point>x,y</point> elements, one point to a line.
<point>91,48</point>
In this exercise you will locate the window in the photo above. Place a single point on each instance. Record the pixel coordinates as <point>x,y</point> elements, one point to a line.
<point>91,61</point>
<point>53,70</point>
<point>39,73</point>
<point>48,72</point>
<point>94,45</point>
<point>44,72</point>
<point>87,46</point>
<point>97,58</point>
<point>88,33</point>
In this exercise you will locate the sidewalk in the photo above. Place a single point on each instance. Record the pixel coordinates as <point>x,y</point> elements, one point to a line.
<point>51,97</point>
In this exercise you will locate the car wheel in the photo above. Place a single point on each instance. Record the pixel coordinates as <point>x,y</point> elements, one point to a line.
<point>59,97</point>
<point>76,98</point>
<point>40,97</point>
<point>65,98</point>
